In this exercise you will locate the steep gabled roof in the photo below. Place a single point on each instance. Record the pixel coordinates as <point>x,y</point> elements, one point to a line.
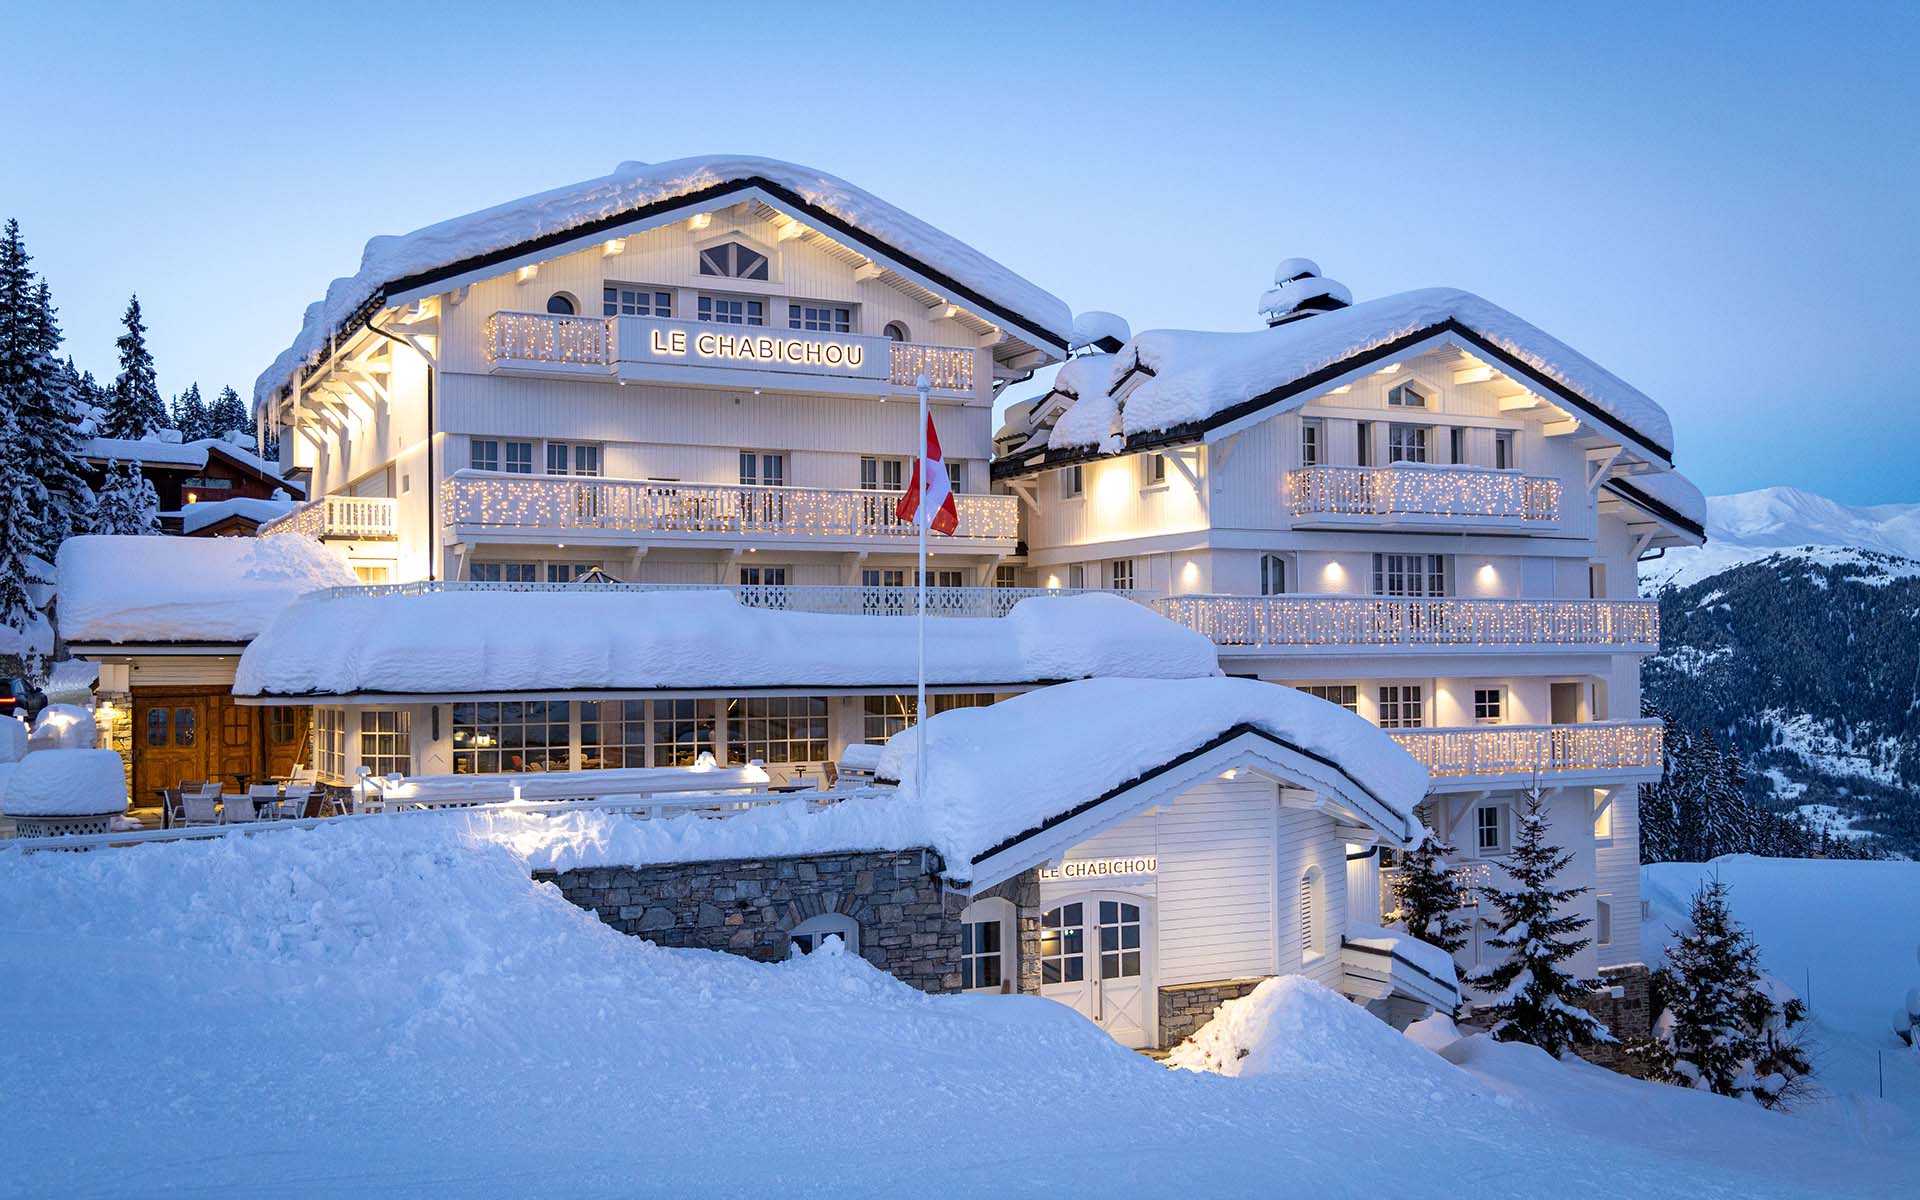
<point>396,265</point>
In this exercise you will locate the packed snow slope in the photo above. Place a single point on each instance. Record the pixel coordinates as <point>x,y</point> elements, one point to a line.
<point>382,1006</point>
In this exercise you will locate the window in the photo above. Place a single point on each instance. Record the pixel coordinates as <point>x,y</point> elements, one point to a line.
<point>942,579</point>
<point>386,743</point>
<point>731,260</point>
<point>1602,815</point>
<point>1489,705</point>
<point>330,744</point>
<point>888,715</point>
<point>483,454</point>
<point>519,457</point>
<point>1503,458</point>
<point>819,318</point>
<point>513,572</point>
<point>1457,445</point>
<point>625,300</point>
<point>1313,940</point>
<point>1076,577</point>
<point>282,728</point>
<point>572,458</point>
<point>1121,574</point>
<point>682,731</point>
<point>882,474</point>
<point>896,332</point>
<point>1119,939</point>
<point>1409,574</point>
<point>184,730</point>
<point>763,577</point>
<point>809,934</point>
<point>1063,946</point>
<point>1489,829</point>
<point>156,727</point>
<point>1401,706</point>
<point>767,470</point>
<point>1346,695</point>
<point>568,572</point>
<point>511,736</point>
<point>373,572</point>
<point>613,734</point>
<point>1273,575</point>
<point>1406,443</point>
<point>1006,575</point>
<point>209,483</point>
<point>561,305</point>
<point>777,729</point>
<point>726,310</point>
<point>1603,921</point>
<point>986,945</point>
<point>956,472</point>
<point>1407,395</point>
<point>1153,469</point>
<point>1313,434</point>
<point>1070,481</point>
<point>1363,449</point>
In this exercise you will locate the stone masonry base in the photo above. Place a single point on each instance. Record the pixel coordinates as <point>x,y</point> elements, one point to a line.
<point>1184,1008</point>
<point>1625,1004</point>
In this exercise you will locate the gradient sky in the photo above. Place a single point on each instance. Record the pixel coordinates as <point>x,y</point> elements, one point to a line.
<point>1716,202</point>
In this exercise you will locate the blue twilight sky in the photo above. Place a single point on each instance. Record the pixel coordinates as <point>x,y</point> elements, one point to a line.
<point>1716,202</point>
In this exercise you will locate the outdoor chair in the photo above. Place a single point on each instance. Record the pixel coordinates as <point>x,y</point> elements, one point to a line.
<point>236,810</point>
<point>293,805</point>
<point>266,799</point>
<point>200,808</point>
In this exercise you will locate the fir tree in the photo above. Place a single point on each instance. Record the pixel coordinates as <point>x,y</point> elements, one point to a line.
<point>134,408</point>
<point>51,446</point>
<point>1720,1028</point>
<point>1528,997</point>
<point>18,526</point>
<point>1430,896</point>
<point>189,414</point>
<point>127,503</point>
<point>228,414</point>
<point>24,374</point>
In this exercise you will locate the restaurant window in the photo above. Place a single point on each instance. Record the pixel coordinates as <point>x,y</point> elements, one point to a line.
<point>494,572</point>
<point>573,458</point>
<point>511,736</point>
<point>1406,443</point>
<point>888,715</point>
<point>764,577</point>
<point>561,305</point>
<point>1006,575</point>
<point>330,744</point>
<point>625,300</point>
<point>282,727</point>
<point>729,310</point>
<point>1346,695</point>
<point>1409,575</point>
<point>819,318</point>
<point>613,734</point>
<point>185,726</point>
<point>732,260</point>
<point>386,741</point>
<point>1401,706</point>
<point>156,727</point>
<point>568,572</point>
<point>681,731</point>
<point>777,729</point>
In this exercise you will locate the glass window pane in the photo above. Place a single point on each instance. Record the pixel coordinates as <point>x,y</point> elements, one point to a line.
<point>183,726</point>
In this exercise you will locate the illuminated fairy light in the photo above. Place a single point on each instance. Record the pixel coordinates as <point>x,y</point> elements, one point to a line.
<point>1530,749</point>
<point>1309,620</point>
<point>366,517</point>
<point>1392,491</point>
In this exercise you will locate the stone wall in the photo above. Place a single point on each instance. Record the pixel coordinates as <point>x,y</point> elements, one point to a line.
<point>909,922</point>
<point>1629,1014</point>
<point>1186,1007</point>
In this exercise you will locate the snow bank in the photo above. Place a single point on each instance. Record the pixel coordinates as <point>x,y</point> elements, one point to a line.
<point>1197,374</point>
<point>162,589</point>
<point>507,642</point>
<point>64,727</point>
<point>13,740</point>
<point>1000,770</point>
<point>67,783</point>
<point>634,185</point>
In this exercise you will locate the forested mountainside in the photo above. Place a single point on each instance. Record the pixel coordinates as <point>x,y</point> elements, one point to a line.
<point>1806,663</point>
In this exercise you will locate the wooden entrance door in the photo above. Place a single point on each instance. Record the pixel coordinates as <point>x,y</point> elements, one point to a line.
<point>171,741</point>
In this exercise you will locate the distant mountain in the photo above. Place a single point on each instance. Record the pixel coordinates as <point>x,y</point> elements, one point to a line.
<point>1795,636</point>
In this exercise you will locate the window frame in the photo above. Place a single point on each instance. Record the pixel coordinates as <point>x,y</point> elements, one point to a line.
<point>810,934</point>
<point>820,316</point>
<point>1408,442</point>
<point>1506,450</point>
<point>1404,708</point>
<point>707,307</point>
<point>724,257</point>
<point>507,725</point>
<point>1502,829</point>
<point>624,300</point>
<point>385,739</point>
<point>1423,395</point>
<point>1272,563</point>
<point>1432,571</point>
<point>1120,569</point>
<point>1000,913</point>
<point>1346,695</point>
<point>1073,481</point>
<point>1312,915</point>
<point>778,730</point>
<point>1489,704</point>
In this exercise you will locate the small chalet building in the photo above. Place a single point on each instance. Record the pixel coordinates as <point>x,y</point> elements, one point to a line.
<point>241,489</point>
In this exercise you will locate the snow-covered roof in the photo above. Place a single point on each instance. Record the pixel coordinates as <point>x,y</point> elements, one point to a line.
<point>1020,765</point>
<point>1108,331</point>
<point>501,642</point>
<point>167,589</point>
<point>155,452</point>
<point>1668,489</point>
<point>1188,378</point>
<point>593,204</point>
<point>1091,419</point>
<point>195,517</point>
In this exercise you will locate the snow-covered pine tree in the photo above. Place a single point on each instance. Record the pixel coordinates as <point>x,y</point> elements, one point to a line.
<point>1720,1028</point>
<point>19,528</point>
<point>51,445</point>
<point>1526,996</point>
<point>127,503</point>
<point>134,408</point>
<point>1430,895</point>
<point>228,414</point>
<point>189,414</point>
<point>1660,803</point>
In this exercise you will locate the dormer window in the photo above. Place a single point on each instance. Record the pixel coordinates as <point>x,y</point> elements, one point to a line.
<point>732,260</point>
<point>1407,395</point>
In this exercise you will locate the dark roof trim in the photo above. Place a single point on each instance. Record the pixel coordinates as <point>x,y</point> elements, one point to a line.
<point>1626,491</point>
<point>547,241</point>
<point>904,687</point>
<point>1177,761</point>
<point>1192,430</point>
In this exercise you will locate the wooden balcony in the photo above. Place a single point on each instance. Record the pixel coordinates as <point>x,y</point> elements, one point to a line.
<point>1595,752</point>
<point>1255,624</point>
<point>340,518</point>
<point>647,349</point>
<point>1415,494</point>
<point>600,511</point>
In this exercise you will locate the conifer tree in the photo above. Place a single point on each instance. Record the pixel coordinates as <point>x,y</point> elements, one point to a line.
<point>1430,896</point>
<point>189,414</point>
<point>1527,995</point>
<point>228,414</point>
<point>134,408</point>
<point>127,503</point>
<point>51,445</point>
<point>18,528</point>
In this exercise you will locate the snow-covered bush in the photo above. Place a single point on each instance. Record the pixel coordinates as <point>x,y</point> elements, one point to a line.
<point>64,727</point>
<point>127,503</point>
<point>67,783</point>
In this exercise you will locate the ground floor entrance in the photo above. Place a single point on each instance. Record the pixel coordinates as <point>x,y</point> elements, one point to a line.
<point>187,734</point>
<point>1096,957</point>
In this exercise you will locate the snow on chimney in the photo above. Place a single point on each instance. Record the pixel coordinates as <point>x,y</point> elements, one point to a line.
<point>1299,291</point>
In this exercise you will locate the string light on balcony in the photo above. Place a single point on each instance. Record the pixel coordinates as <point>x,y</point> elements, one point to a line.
<point>1310,620</point>
<point>1414,489</point>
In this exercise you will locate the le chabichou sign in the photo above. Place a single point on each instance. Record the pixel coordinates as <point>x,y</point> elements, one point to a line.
<point>1102,868</point>
<point>763,349</point>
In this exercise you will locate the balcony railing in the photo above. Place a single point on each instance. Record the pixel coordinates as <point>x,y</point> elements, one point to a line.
<point>1259,622</point>
<point>485,500</point>
<point>1528,750</point>
<point>555,340</point>
<point>354,518</point>
<point>833,599</point>
<point>1419,490</point>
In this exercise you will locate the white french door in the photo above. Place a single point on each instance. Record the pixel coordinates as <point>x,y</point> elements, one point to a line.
<point>1096,957</point>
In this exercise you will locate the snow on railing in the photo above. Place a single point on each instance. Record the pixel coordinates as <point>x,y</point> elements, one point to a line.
<point>837,599</point>
<point>1535,749</point>
<point>1414,489</point>
<point>364,518</point>
<point>571,502</point>
<point>1334,620</point>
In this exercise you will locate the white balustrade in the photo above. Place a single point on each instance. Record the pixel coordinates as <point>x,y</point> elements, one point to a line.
<point>1527,750</point>
<point>485,500</point>
<point>1420,490</point>
<point>1310,620</point>
<point>837,599</point>
<point>947,368</point>
<point>549,338</point>
<point>363,518</point>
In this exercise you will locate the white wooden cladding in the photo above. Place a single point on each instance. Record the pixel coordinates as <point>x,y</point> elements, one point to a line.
<point>1310,620</point>
<point>1529,749</point>
<point>1402,490</point>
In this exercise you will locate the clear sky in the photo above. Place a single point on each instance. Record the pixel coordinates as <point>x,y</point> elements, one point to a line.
<point>1716,202</point>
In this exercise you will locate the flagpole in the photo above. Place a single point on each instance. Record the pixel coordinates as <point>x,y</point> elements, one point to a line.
<point>923,518</point>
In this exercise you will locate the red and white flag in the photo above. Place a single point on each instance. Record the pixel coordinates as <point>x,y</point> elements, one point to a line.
<point>938,513</point>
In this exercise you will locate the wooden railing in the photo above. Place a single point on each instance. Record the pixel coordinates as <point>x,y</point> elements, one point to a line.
<point>486,500</point>
<point>836,599</point>
<point>362,518</point>
<point>1527,750</point>
<point>1309,620</point>
<point>1418,490</point>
